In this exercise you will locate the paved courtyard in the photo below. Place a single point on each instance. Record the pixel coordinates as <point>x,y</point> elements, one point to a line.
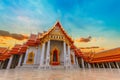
<point>79,74</point>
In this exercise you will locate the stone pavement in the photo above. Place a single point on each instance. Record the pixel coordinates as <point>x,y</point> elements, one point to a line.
<point>78,74</point>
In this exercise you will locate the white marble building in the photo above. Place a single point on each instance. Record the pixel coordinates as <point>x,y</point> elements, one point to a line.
<point>51,49</point>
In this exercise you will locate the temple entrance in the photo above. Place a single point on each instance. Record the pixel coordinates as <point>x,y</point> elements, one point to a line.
<point>55,57</point>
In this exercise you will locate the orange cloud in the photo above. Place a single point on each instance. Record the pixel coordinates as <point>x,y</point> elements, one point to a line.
<point>95,47</point>
<point>10,42</point>
<point>88,39</point>
<point>13,35</point>
<point>91,49</point>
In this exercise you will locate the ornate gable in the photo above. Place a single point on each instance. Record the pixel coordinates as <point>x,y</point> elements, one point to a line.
<point>56,33</point>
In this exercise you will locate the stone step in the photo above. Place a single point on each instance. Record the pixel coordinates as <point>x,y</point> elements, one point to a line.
<point>57,67</point>
<point>29,66</point>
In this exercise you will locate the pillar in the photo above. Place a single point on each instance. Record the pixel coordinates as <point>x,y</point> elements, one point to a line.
<point>109,65</point>
<point>26,55</point>
<point>10,61</point>
<point>98,65</point>
<point>103,65</point>
<point>1,66</point>
<point>89,66</point>
<point>36,54</point>
<point>117,65</point>
<point>69,58</point>
<point>48,55</point>
<point>83,66</point>
<point>42,56</point>
<point>64,48</point>
<point>20,60</point>
<point>77,62</point>
<point>73,56</point>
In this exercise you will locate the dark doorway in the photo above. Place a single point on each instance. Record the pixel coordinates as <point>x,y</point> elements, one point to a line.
<point>55,54</point>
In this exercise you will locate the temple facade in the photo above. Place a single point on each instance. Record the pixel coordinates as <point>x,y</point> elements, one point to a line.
<point>54,49</point>
<point>51,49</point>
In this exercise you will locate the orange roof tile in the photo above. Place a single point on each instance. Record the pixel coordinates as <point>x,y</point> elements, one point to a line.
<point>32,40</point>
<point>3,50</point>
<point>15,49</point>
<point>106,56</point>
<point>111,52</point>
<point>23,49</point>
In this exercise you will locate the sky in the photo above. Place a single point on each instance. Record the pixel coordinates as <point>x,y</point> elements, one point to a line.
<point>91,23</point>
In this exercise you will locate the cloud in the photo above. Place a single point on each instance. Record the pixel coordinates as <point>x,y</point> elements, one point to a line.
<point>3,43</point>
<point>93,47</point>
<point>13,35</point>
<point>88,39</point>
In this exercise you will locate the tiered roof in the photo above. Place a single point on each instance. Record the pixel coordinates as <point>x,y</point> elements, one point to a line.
<point>111,55</point>
<point>4,53</point>
<point>107,56</point>
<point>34,40</point>
<point>17,49</point>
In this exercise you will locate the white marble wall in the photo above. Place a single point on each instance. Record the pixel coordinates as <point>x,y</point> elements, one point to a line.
<point>34,50</point>
<point>58,44</point>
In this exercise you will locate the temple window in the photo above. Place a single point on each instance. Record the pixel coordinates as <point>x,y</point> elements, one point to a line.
<point>30,59</point>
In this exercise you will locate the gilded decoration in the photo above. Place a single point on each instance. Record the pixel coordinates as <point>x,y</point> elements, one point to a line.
<point>55,56</point>
<point>55,34</point>
<point>30,59</point>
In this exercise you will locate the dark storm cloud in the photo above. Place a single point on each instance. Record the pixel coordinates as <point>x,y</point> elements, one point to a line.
<point>13,35</point>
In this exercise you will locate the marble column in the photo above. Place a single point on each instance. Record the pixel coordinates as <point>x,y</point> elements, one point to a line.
<point>109,65</point>
<point>89,66</point>
<point>64,48</point>
<point>103,65</point>
<point>83,66</point>
<point>2,63</point>
<point>36,54</point>
<point>20,60</point>
<point>117,65</point>
<point>48,55</point>
<point>42,56</point>
<point>77,62</point>
<point>69,58</point>
<point>26,55</point>
<point>10,61</point>
<point>98,65</point>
